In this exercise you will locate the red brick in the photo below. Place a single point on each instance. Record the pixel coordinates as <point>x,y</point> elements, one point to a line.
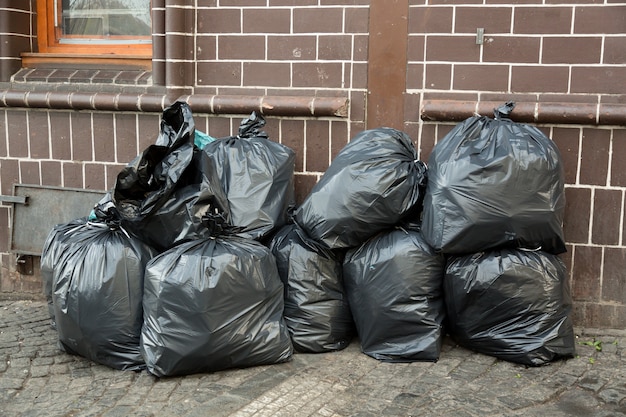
<point>361,47</point>
<point>291,48</point>
<point>444,2</point>
<point>73,175</point>
<point>605,19</point>
<point>111,171</point>
<point>568,142</point>
<point>430,19</point>
<point>125,137</point>
<point>9,175</point>
<point>516,49</point>
<point>415,76</point>
<point>39,136</point>
<point>614,275</point>
<point>291,136</point>
<point>317,75</point>
<point>207,48</point>
<point>607,316</point>
<point>18,137</point>
<point>412,129</point>
<point>148,128</point>
<point>357,20</point>
<point>216,20</point>
<point>266,74</point>
<point>293,3</point>
<point>338,137</point>
<point>357,105</point>
<point>30,172</point>
<point>607,209</point>
<point>598,80</point>
<point>60,135</point>
<point>594,162</point>
<point>95,177</point>
<point>220,127</point>
<point>359,77</point>
<point>577,215</point>
<point>412,111</point>
<point>415,48</point>
<point>317,146</point>
<point>481,77</point>
<point>318,20</point>
<point>3,137</point>
<point>303,185</point>
<point>527,79</point>
<point>615,50</point>
<point>492,19</point>
<point>618,156</point>
<point>103,137</point>
<point>201,122</point>
<point>427,141</point>
<point>574,1</point>
<point>577,314</point>
<point>544,20</point>
<point>344,2</point>
<point>242,3</point>
<point>4,229</point>
<point>248,47</point>
<point>571,50</point>
<point>335,47</point>
<point>82,145</point>
<point>438,76</point>
<point>586,273</point>
<point>179,47</point>
<point>452,48</point>
<point>219,73</point>
<point>267,20</point>
<point>51,173</point>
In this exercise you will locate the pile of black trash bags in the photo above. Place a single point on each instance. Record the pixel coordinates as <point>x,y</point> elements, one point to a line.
<point>199,260</point>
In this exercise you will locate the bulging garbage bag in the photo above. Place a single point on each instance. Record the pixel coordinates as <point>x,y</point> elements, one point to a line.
<point>394,283</point>
<point>213,304</point>
<point>511,304</point>
<point>162,194</point>
<point>375,181</point>
<point>494,183</point>
<point>54,248</point>
<point>97,293</point>
<point>257,176</point>
<point>316,313</point>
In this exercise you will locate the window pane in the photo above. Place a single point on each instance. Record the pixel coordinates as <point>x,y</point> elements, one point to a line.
<point>105,21</point>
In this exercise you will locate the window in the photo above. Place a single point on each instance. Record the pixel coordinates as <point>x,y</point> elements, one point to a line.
<point>103,21</point>
<point>95,30</point>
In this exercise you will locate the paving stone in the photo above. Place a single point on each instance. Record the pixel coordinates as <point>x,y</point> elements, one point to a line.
<point>612,396</point>
<point>37,379</point>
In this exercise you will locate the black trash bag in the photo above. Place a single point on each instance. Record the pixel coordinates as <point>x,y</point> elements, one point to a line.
<point>162,194</point>
<point>54,248</point>
<point>494,183</point>
<point>512,304</point>
<point>375,181</point>
<point>97,293</point>
<point>257,176</point>
<point>316,313</point>
<point>394,283</point>
<point>213,304</point>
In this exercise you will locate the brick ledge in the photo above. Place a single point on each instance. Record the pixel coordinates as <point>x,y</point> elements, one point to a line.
<point>213,104</point>
<point>445,110</point>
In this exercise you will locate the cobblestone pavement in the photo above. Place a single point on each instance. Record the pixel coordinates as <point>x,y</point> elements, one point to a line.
<point>37,379</point>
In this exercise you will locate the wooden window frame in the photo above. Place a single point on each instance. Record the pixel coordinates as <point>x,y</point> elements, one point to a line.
<point>52,52</point>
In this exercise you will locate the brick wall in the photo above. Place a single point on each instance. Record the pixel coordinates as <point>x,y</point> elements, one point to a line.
<point>563,63</point>
<point>570,56</point>
<point>17,34</point>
